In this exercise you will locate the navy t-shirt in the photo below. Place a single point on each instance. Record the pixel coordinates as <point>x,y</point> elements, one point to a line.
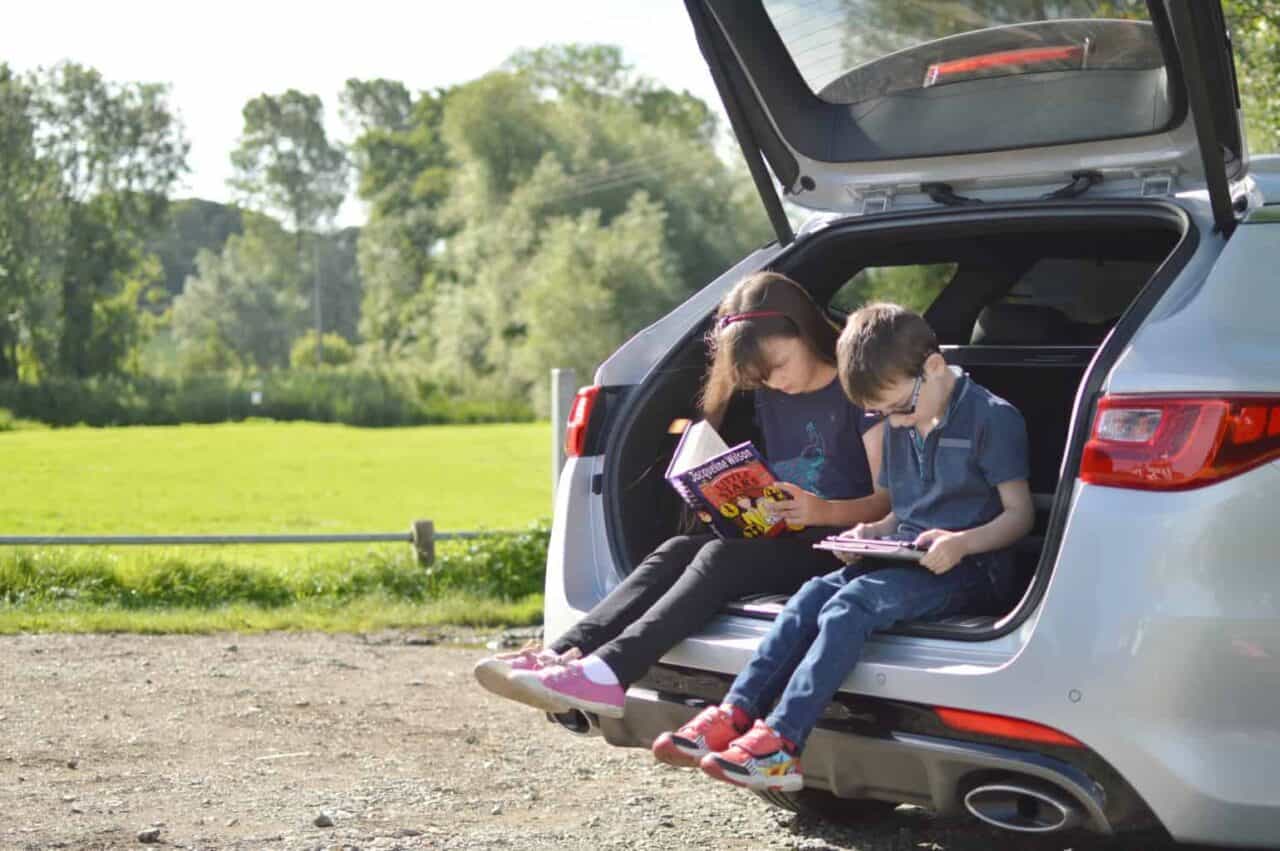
<point>814,440</point>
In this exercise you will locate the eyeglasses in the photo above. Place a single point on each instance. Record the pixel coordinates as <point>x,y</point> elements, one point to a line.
<point>908,407</point>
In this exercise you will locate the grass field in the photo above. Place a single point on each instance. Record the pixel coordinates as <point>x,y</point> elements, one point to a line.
<point>272,477</point>
<point>266,478</point>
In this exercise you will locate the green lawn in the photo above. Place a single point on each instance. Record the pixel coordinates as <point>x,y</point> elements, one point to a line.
<point>272,477</point>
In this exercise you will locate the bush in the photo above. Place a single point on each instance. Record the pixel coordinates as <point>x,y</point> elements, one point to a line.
<point>8,422</point>
<point>351,396</point>
<point>499,565</point>
<point>506,566</point>
<point>335,351</point>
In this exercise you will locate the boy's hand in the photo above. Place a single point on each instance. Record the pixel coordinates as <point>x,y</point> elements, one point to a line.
<point>945,549</point>
<point>862,530</point>
<point>804,508</point>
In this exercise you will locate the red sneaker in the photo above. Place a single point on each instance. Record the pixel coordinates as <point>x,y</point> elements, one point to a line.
<point>710,730</point>
<point>757,760</point>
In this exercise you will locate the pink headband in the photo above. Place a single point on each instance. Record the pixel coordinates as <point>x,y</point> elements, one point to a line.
<point>728,319</point>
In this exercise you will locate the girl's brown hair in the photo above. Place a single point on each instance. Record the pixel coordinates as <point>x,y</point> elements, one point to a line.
<point>763,305</point>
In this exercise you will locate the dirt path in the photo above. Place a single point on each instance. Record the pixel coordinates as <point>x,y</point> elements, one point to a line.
<point>244,741</point>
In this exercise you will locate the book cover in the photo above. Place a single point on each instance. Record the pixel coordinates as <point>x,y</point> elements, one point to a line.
<point>731,489</point>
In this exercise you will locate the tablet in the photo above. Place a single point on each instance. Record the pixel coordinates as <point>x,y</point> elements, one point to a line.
<point>871,547</point>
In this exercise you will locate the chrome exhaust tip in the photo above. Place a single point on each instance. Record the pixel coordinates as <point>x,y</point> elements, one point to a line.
<point>1024,806</point>
<point>577,721</point>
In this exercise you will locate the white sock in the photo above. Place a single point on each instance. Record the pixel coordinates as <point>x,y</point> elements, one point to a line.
<point>598,671</point>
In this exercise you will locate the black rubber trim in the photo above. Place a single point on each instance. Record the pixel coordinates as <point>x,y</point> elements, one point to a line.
<point>1042,215</point>
<point>608,402</point>
<point>1211,97</point>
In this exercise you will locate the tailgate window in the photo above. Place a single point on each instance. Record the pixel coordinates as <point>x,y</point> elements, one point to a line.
<point>850,51</point>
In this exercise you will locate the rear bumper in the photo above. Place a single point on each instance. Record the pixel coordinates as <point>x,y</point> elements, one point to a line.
<point>896,766</point>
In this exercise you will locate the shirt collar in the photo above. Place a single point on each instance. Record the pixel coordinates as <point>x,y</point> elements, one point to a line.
<point>958,391</point>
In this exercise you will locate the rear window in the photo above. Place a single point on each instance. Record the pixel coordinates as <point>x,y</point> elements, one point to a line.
<point>1094,292</point>
<point>851,51</point>
<point>913,287</point>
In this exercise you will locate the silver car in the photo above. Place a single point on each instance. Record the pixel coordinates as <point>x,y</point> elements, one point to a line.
<point>1073,203</point>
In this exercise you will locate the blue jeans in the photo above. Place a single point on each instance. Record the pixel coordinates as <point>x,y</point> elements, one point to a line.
<point>818,637</point>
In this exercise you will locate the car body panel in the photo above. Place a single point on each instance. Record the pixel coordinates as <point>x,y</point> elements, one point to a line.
<point>1199,339</point>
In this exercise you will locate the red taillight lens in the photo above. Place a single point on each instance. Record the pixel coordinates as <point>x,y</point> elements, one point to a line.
<point>1160,443</point>
<point>575,433</point>
<point>1004,728</point>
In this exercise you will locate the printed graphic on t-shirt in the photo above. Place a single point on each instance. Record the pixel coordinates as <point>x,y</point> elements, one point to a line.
<point>806,470</point>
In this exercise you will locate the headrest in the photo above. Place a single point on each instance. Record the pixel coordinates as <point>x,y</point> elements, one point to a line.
<point>1021,325</point>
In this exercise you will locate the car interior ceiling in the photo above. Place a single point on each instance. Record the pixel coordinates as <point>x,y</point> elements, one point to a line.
<point>1034,355</point>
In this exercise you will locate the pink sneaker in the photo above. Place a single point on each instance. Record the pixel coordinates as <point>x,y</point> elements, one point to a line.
<point>564,687</point>
<point>494,672</point>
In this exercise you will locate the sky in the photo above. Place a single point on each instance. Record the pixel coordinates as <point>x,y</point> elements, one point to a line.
<point>234,50</point>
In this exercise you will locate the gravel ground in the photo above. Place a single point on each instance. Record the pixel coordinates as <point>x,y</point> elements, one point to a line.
<point>313,741</point>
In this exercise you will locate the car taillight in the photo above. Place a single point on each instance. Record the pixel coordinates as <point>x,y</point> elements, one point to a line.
<point>1003,727</point>
<point>575,433</point>
<point>1164,443</point>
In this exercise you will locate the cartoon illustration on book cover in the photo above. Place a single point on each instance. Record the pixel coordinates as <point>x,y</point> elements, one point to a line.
<point>745,496</point>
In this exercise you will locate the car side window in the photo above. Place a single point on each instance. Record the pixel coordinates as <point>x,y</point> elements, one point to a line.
<point>914,287</point>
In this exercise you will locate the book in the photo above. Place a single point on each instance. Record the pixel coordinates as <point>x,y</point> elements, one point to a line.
<point>871,547</point>
<point>731,489</point>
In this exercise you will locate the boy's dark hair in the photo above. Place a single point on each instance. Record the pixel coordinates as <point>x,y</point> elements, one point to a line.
<point>880,344</point>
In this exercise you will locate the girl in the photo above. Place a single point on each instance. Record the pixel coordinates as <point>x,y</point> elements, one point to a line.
<point>771,338</point>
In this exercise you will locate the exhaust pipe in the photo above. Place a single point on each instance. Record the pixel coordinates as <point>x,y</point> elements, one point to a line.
<point>577,721</point>
<point>1024,805</point>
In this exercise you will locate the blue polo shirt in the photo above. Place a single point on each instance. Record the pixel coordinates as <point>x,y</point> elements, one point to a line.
<point>948,480</point>
<point>814,440</point>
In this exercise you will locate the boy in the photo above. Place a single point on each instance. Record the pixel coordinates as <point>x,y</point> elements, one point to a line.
<point>955,465</point>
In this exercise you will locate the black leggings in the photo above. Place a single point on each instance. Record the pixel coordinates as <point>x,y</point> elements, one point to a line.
<point>678,588</point>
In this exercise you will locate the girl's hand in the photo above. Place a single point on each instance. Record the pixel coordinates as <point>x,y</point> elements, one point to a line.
<point>945,549</point>
<point>804,508</point>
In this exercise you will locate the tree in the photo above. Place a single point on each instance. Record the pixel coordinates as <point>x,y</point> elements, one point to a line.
<point>241,309</point>
<point>192,224</point>
<point>597,73</point>
<point>1255,26</point>
<point>547,172</point>
<point>284,162</point>
<point>29,224</point>
<point>117,150</point>
<point>404,175</point>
